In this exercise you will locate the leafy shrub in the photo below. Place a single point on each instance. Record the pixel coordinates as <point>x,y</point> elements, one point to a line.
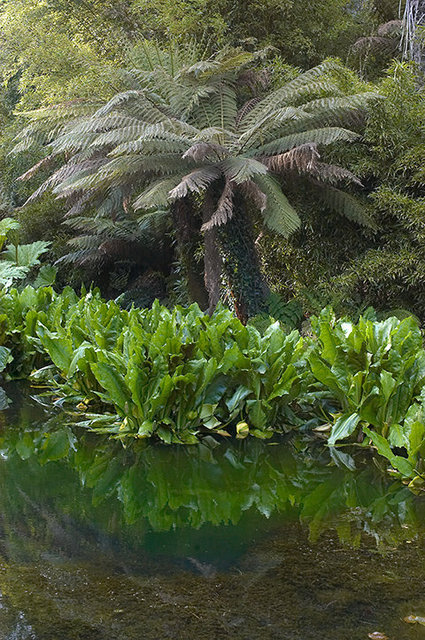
<point>373,374</point>
<point>179,374</point>
<point>172,374</point>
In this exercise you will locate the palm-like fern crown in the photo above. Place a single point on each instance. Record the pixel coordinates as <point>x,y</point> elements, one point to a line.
<point>180,128</point>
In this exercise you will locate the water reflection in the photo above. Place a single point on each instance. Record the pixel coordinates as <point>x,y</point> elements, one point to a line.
<point>238,540</point>
<point>48,470</point>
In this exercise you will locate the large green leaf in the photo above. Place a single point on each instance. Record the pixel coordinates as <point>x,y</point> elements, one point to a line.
<point>59,348</point>
<point>46,276</point>
<point>25,255</point>
<point>110,380</point>
<point>404,466</point>
<point>344,427</point>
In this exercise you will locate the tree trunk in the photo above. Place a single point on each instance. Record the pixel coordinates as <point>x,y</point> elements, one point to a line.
<point>187,236</point>
<point>213,262</point>
<point>413,20</point>
<point>248,288</point>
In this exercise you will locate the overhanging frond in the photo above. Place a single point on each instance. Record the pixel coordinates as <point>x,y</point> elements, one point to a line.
<point>224,210</point>
<point>239,168</point>
<point>302,159</point>
<point>346,205</point>
<point>196,181</point>
<point>278,214</point>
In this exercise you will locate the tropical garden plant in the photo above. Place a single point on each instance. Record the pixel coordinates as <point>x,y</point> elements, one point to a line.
<point>180,375</point>
<point>205,139</point>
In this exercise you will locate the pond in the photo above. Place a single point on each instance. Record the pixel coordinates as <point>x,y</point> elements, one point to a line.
<point>244,540</point>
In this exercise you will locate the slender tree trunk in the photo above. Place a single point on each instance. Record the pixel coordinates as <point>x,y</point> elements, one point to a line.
<point>213,262</point>
<point>187,236</point>
<point>248,288</point>
<point>413,20</point>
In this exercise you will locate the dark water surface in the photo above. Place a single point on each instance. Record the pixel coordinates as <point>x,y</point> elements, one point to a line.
<point>242,540</point>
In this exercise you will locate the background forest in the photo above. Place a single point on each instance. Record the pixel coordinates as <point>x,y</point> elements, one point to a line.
<point>356,242</point>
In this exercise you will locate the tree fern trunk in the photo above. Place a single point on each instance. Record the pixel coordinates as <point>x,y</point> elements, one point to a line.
<point>187,237</point>
<point>213,262</point>
<point>248,288</point>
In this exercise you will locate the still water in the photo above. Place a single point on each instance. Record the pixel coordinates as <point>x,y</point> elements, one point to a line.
<point>246,540</point>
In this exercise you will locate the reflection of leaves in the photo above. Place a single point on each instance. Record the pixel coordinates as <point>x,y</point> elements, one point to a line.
<point>216,484</point>
<point>56,445</point>
<point>25,446</point>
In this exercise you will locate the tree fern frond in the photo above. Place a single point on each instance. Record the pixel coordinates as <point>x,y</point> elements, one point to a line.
<point>43,163</point>
<point>71,143</point>
<point>333,173</point>
<point>224,210</point>
<point>239,169</point>
<point>346,205</point>
<point>216,135</point>
<point>169,143</point>
<point>93,124</point>
<point>157,193</point>
<point>278,214</point>
<point>80,205</point>
<point>336,109</point>
<point>196,181</point>
<point>245,109</point>
<point>201,150</point>
<point>305,82</point>
<point>302,159</point>
<point>322,136</point>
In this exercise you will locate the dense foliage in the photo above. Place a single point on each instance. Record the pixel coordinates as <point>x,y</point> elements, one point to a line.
<point>204,152</point>
<point>176,375</point>
<point>55,52</point>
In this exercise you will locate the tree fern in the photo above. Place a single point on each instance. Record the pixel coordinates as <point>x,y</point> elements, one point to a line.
<point>181,130</point>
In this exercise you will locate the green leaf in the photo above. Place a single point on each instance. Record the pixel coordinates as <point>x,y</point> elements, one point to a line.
<point>324,375</point>
<point>5,358</point>
<point>110,380</point>
<point>388,384</point>
<point>402,465</point>
<point>59,349</point>
<point>25,255</point>
<point>46,276</point>
<point>344,427</point>
<point>256,414</point>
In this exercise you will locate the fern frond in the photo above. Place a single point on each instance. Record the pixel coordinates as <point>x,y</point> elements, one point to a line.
<point>41,164</point>
<point>323,136</point>
<point>239,169</point>
<point>333,173</point>
<point>157,193</point>
<point>346,205</point>
<point>278,214</point>
<point>224,210</point>
<point>202,150</point>
<point>306,82</point>
<point>196,181</point>
<point>303,159</point>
